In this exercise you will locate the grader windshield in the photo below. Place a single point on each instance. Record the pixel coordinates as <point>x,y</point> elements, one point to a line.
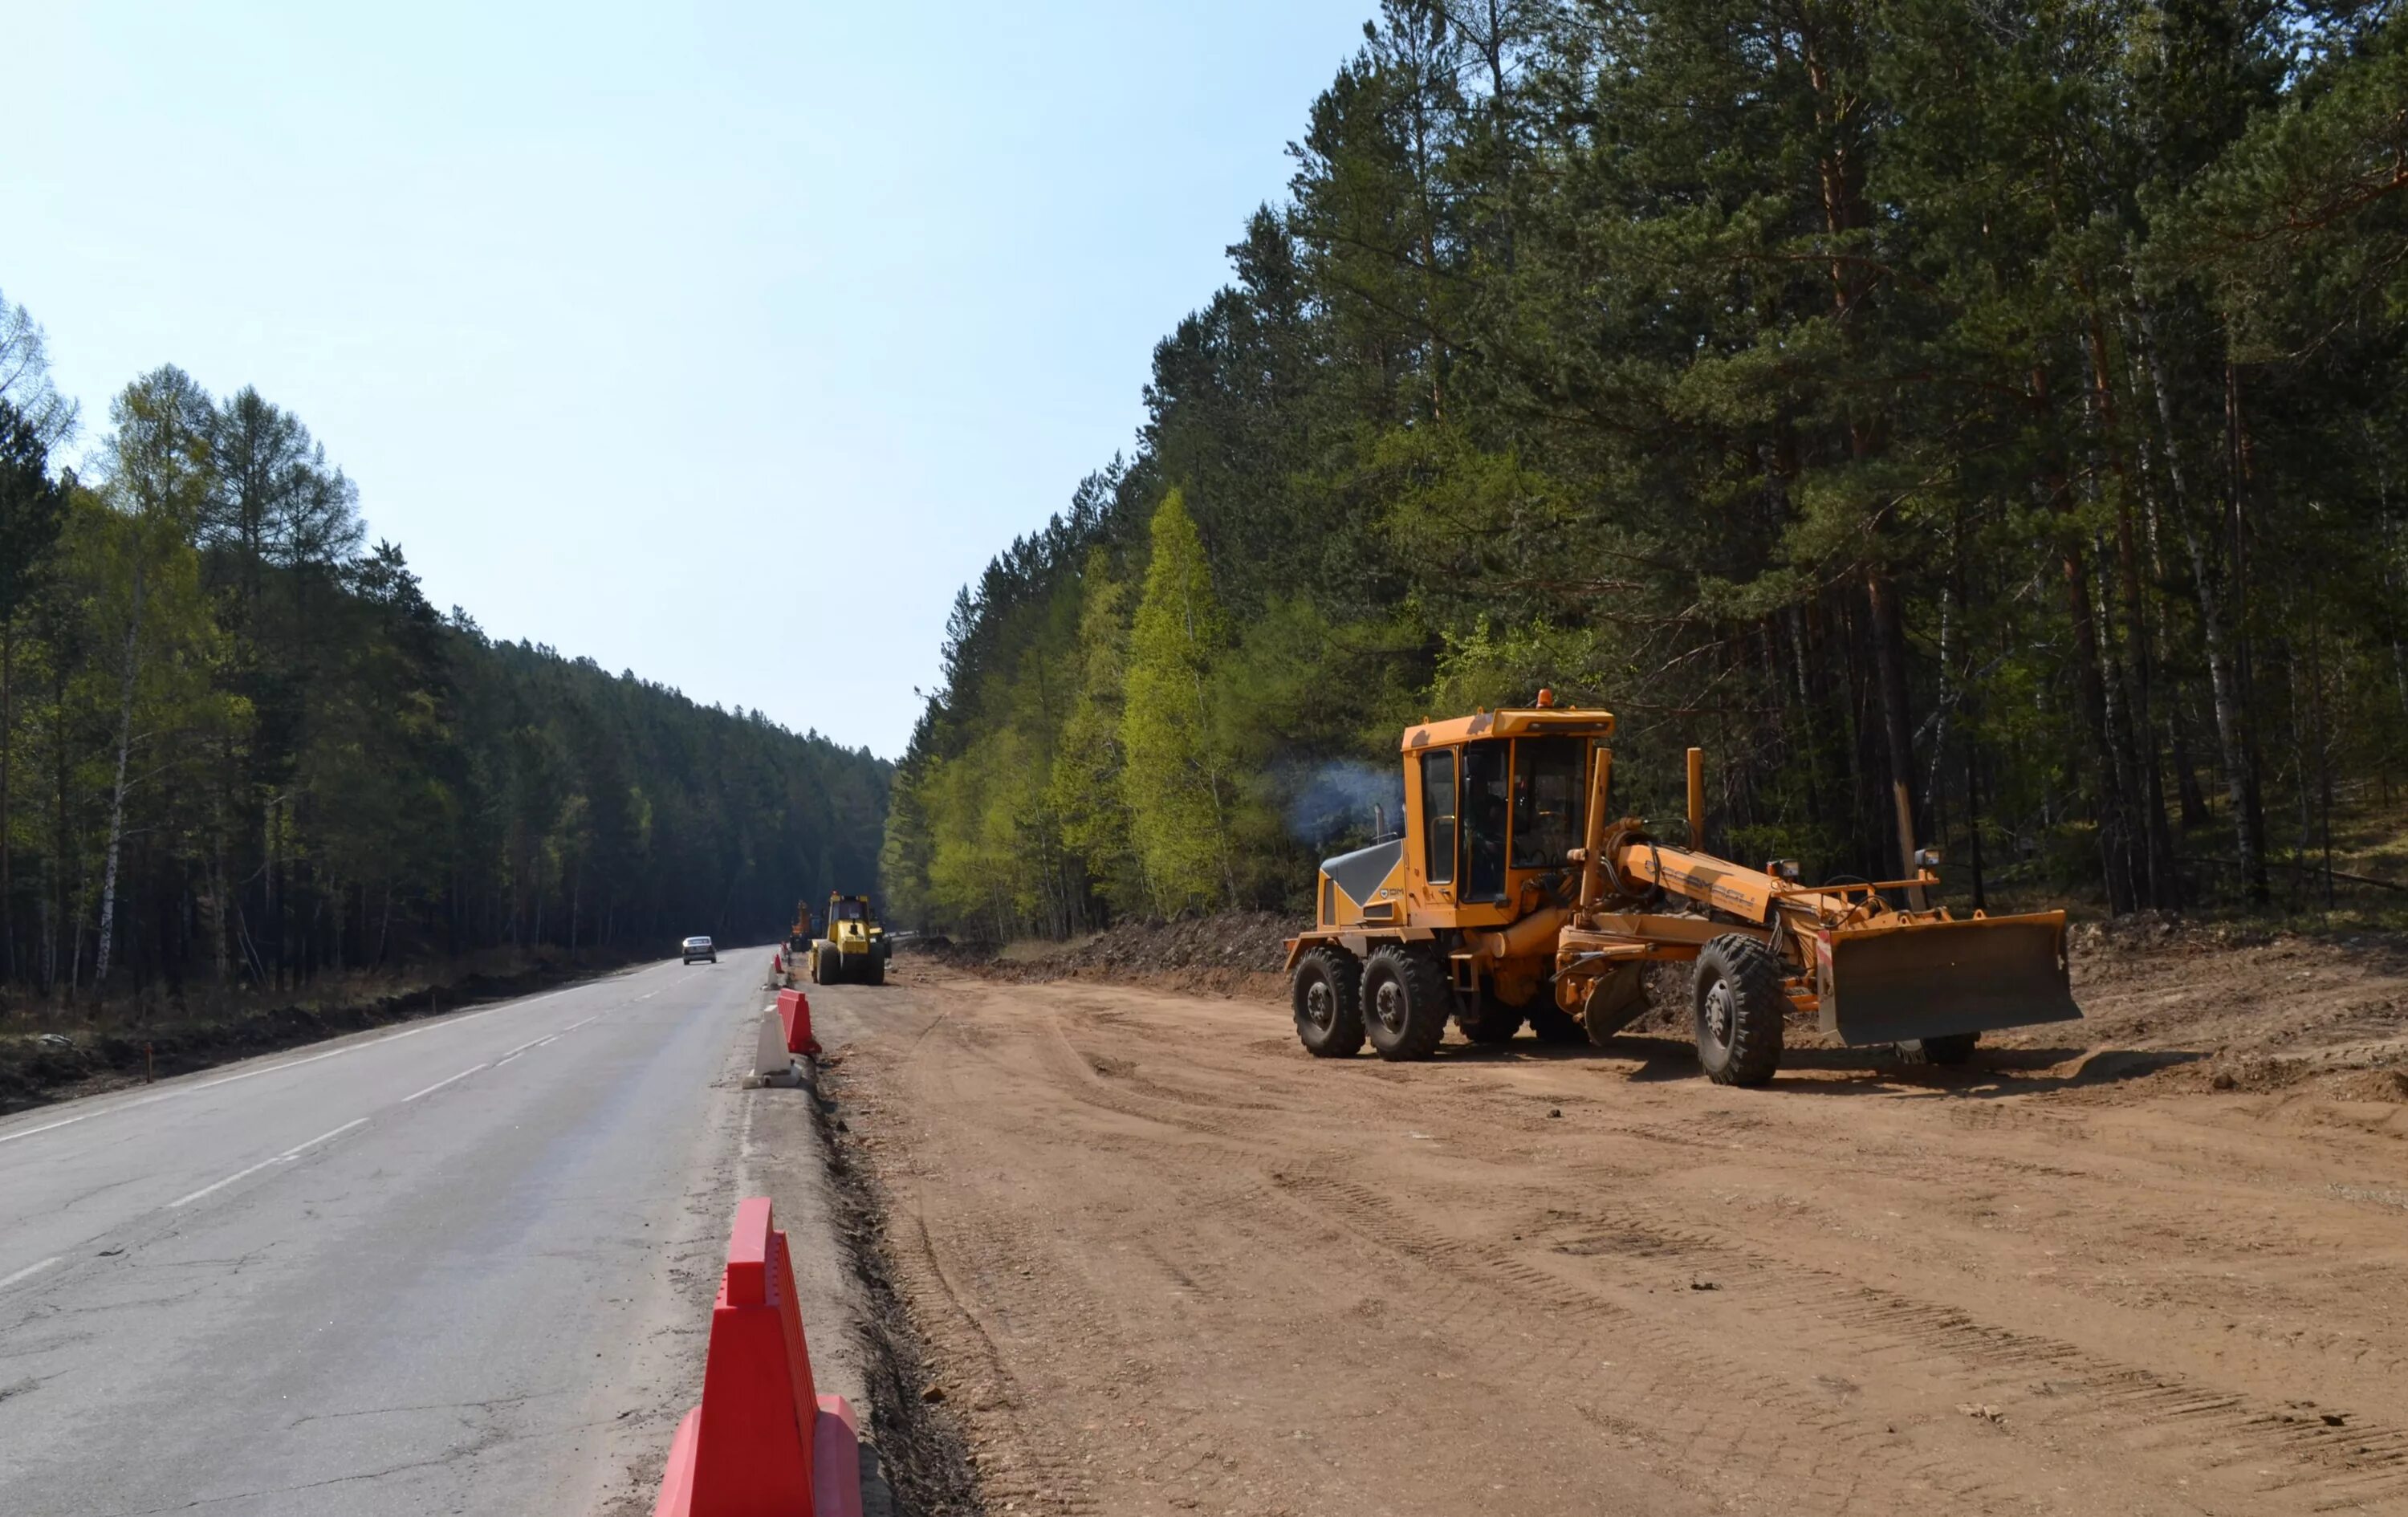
<point>1550,783</point>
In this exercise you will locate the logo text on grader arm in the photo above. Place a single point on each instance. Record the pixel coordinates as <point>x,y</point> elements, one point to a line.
<point>1710,883</point>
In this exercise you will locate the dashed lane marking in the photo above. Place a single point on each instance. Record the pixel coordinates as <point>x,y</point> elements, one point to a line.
<point>294,1063</point>
<point>286,1157</point>
<point>513,1054</point>
<point>29,1271</point>
<point>441,1083</point>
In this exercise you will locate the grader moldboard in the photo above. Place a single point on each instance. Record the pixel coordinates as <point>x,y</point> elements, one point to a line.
<point>1510,897</point>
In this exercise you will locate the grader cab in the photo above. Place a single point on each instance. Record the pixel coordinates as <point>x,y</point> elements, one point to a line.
<point>1512,897</point>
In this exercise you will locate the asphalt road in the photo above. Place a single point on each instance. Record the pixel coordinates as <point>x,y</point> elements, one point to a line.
<point>412,1271</point>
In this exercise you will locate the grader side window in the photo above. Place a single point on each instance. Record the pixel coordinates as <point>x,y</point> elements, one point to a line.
<point>1486,809</point>
<point>1438,816</point>
<point>1548,792</point>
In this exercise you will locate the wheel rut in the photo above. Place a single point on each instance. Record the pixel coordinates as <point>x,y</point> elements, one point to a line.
<point>1167,1263</point>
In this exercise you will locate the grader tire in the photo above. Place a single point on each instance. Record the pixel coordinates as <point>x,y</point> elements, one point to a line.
<point>1738,1004</point>
<point>1489,1021</point>
<point>1558,1027</point>
<point>1406,1000</point>
<point>1328,990</point>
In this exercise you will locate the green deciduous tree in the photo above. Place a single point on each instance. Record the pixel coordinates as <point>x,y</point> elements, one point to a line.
<point>1174,779</point>
<point>1087,787</point>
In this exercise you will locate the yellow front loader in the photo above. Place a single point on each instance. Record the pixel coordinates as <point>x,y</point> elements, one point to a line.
<point>855,947</point>
<point>1512,898</point>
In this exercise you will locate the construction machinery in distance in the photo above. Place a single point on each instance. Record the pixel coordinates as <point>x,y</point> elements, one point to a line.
<point>798,937</point>
<point>1512,898</point>
<point>855,948</point>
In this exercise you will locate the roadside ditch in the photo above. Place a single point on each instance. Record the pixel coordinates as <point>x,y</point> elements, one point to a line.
<point>923,1450</point>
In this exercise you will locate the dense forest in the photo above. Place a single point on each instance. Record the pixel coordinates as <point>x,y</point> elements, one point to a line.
<point>239,748</point>
<point>1982,419</point>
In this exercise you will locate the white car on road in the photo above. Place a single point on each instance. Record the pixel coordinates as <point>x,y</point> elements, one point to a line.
<point>700,948</point>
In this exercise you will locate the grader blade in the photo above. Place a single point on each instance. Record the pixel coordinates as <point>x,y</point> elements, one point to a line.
<point>1887,982</point>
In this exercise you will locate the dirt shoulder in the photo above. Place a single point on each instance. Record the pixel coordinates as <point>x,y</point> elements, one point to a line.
<point>1163,1262</point>
<point>2228,1004</point>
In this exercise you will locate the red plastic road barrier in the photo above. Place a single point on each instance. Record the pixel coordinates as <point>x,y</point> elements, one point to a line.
<point>794,1010</point>
<point>777,963</point>
<point>835,1460</point>
<point>764,1442</point>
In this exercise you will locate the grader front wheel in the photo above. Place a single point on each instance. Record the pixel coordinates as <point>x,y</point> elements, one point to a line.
<point>1738,1004</point>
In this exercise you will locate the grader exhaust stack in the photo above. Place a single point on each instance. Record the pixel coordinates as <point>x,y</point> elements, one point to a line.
<point>1512,899</point>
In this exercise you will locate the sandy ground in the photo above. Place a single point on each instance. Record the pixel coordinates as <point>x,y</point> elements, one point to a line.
<point>1162,1262</point>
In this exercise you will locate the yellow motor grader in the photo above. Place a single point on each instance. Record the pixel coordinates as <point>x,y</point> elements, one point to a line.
<point>1513,897</point>
<point>855,947</point>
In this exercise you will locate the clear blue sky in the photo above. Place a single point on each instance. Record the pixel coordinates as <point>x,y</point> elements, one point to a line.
<point>719,342</point>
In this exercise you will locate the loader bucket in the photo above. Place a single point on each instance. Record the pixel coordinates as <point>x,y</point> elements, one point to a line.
<point>1889,982</point>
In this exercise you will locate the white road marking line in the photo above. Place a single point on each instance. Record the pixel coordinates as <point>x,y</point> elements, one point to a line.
<point>574,1025</point>
<point>28,1272</point>
<point>286,1157</point>
<point>441,1083</point>
<point>288,1064</point>
<point>522,1048</point>
<point>46,1128</point>
<point>211,1190</point>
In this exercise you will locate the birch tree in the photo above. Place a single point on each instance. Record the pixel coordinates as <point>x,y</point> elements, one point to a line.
<point>145,591</point>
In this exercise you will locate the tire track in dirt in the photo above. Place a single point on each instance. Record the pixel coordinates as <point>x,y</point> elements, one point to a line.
<point>960,1254</point>
<point>967,1260</point>
<point>1153,1239</point>
<point>1668,1383</point>
<point>2348,1461</point>
<point>2250,1429</point>
<point>2349,1455</point>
